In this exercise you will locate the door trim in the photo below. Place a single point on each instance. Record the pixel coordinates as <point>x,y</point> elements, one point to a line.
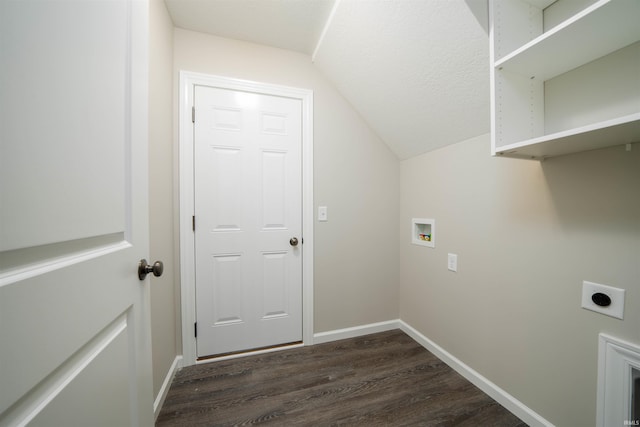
<point>186,176</point>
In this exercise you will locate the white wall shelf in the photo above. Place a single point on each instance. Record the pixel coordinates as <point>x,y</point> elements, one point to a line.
<point>609,133</point>
<point>574,87</point>
<point>423,232</point>
<point>577,41</point>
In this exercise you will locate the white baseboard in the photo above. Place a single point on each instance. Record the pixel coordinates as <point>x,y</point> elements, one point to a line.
<point>166,384</point>
<point>512,404</point>
<point>356,331</point>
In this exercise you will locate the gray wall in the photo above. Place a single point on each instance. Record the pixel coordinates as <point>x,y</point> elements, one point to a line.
<point>527,234</point>
<point>165,335</point>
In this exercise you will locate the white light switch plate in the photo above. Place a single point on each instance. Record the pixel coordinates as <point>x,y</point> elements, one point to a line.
<point>452,262</point>
<point>616,309</point>
<point>322,213</point>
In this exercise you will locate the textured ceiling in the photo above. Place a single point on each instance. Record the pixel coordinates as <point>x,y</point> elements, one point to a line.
<point>416,70</point>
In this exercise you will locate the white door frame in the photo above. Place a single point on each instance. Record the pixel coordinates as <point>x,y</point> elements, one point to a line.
<point>186,175</point>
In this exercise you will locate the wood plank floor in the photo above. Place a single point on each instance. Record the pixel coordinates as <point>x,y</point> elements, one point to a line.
<point>381,379</point>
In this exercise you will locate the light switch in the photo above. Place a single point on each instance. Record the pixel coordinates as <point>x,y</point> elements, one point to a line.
<point>452,262</point>
<point>322,213</point>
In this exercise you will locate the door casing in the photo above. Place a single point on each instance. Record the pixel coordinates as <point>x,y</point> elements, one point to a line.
<point>186,177</point>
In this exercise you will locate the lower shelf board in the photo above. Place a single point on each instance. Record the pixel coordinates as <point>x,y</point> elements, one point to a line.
<point>619,131</point>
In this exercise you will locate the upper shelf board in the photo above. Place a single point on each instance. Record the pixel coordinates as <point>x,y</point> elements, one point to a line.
<point>577,40</point>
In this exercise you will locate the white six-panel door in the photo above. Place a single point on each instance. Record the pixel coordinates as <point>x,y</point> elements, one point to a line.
<point>74,317</point>
<point>248,207</point>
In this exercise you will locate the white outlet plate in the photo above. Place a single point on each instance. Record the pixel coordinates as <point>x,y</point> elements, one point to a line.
<point>452,262</point>
<point>616,309</point>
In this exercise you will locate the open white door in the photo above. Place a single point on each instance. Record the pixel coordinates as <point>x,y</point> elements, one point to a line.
<point>74,317</point>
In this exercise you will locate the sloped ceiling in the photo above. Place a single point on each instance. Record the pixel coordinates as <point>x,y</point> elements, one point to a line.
<point>416,70</point>
<point>287,24</point>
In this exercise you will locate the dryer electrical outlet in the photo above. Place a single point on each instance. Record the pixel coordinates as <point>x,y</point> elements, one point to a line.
<point>603,299</point>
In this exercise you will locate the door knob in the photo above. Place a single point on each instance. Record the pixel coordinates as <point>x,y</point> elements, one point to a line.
<point>143,269</point>
<point>293,241</point>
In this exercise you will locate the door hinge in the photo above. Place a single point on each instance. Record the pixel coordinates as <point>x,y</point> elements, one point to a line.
<point>193,222</point>
<point>193,114</point>
<point>195,330</point>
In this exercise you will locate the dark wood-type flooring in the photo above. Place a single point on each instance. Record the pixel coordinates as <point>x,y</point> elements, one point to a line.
<point>384,379</point>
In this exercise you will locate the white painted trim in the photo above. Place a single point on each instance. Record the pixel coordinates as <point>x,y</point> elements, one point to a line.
<point>512,404</point>
<point>39,397</point>
<point>166,385</point>
<point>356,331</point>
<point>307,217</point>
<point>53,264</point>
<point>187,254</point>
<point>615,359</point>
